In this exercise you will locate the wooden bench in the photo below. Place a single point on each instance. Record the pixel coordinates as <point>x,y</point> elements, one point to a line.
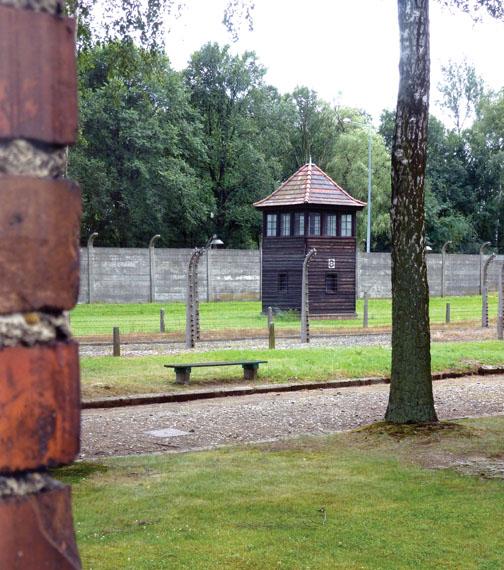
<point>183,371</point>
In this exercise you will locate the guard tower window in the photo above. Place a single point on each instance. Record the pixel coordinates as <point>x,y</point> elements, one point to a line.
<point>331,283</point>
<point>346,225</point>
<point>314,224</point>
<point>330,229</point>
<point>286,225</point>
<point>271,225</point>
<point>299,229</point>
<point>283,282</point>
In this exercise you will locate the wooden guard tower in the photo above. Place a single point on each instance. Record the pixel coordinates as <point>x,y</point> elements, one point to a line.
<point>309,210</point>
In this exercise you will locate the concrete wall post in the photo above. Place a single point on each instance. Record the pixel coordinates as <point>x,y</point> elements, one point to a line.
<point>90,266</point>
<point>152,269</point>
<point>443,267</point>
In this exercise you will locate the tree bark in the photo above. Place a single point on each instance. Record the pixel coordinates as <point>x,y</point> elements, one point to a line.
<point>411,399</point>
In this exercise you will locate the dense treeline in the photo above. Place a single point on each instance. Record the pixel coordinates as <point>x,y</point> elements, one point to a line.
<point>186,154</point>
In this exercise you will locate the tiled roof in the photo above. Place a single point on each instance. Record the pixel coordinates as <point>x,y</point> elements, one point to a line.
<point>309,185</point>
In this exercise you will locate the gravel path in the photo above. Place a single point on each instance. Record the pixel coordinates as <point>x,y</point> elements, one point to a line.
<point>246,419</point>
<point>368,339</point>
<point>145,349</point>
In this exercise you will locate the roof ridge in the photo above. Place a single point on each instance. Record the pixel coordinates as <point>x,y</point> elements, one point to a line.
<point>280,187</point>
<point>307,184</point>
<point>342,189</point>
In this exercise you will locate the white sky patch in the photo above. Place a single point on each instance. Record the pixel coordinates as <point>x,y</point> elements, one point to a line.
<point>346,50</point>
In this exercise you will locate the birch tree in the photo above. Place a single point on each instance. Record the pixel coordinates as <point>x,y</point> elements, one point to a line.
<point>411,399</point>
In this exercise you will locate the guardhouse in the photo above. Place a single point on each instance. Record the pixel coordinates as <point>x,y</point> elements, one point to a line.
<point>310,210</point>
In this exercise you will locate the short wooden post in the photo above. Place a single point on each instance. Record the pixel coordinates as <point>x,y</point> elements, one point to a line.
<point>270,315</point>
<point>271,335</point>
<point>448,314</point>
<point>116,341</point>
<point>365,321</point>
<point>162,320</point>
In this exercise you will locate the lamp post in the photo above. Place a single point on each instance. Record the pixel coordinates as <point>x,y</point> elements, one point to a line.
<point>214,240</point>
<point>349,121</point>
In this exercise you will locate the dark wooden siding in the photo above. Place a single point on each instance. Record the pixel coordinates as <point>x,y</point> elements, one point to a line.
<point>282,255</point>
<point>342,251</point>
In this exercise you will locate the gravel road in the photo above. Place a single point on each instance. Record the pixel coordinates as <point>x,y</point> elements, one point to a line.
<point>245,419</point>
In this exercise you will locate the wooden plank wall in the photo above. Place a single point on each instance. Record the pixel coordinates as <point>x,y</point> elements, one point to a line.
<point>342,250</point>
<point>282,255</point>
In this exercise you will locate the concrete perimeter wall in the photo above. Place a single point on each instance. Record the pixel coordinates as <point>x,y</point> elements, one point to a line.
<point>461,274</point>
<point>121,275</point>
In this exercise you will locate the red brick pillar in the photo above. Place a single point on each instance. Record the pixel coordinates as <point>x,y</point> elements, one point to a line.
<point>39,279</point>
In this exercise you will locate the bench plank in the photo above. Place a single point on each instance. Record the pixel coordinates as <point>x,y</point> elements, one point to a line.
<point>223,363</point>
<point>183,371</point>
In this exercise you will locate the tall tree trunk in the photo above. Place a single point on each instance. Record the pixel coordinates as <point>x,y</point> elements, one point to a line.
<point>411,399</point>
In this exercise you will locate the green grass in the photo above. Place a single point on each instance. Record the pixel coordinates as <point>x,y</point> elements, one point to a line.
<point>358,500</point>
<point>234,318</point>
<point>133,375</point>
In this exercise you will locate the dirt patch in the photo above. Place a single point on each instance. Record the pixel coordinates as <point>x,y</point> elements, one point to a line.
<point>427,430</point>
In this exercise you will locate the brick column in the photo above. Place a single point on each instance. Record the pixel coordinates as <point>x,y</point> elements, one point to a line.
<point>39,280</point>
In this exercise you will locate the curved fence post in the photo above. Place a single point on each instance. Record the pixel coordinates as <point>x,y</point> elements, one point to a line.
<point>484,292</point>
<point>305,302</point>
<point>481,256</point>
<point>500,327</point>
<point>152,268</point>
<point>192,299</point>
<point>443,264</point>
<point>90,268</point>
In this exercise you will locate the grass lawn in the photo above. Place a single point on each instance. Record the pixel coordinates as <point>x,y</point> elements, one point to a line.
<point>102,376</point>
<point>359,500</point>
<point>233,318</point>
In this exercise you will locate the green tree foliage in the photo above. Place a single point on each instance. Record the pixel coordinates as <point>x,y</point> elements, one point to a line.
<point>159,152</point>
<point>486,143</point>
<point>139,151</point>
<point>462,90</point>
<point>236,107</point>
<point>349,167</point>
<point>314,129</point>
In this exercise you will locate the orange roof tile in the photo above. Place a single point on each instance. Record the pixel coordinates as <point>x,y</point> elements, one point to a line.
<point>309,185</point>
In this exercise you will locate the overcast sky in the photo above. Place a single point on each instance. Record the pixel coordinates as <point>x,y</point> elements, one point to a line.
<point>346,50</point>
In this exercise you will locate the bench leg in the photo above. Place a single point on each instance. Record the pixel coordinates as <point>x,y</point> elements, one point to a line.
<point>182,375</point>
<point>250,371</point>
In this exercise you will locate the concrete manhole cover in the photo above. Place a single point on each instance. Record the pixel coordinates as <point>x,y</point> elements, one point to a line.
<point>167,432</point>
